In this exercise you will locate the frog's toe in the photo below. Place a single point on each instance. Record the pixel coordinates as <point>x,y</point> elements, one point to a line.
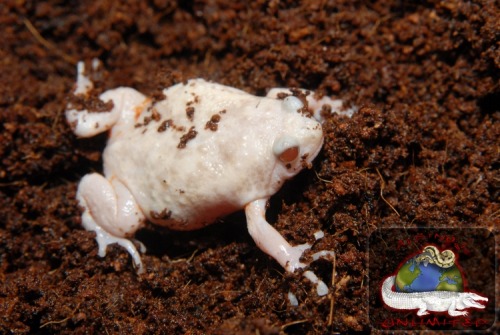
<point>321,288</point>
<point>142,247</point>
<point>104,239</point>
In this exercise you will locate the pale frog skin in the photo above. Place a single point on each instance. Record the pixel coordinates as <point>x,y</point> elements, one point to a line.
<point>183,162</point>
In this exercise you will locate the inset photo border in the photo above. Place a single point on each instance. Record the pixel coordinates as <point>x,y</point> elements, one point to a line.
<point>432,279</point>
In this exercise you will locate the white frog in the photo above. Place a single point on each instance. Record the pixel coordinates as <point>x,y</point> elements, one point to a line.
<point>204,151</point>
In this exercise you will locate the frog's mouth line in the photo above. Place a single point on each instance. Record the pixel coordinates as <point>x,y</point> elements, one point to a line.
<point>309,158</point>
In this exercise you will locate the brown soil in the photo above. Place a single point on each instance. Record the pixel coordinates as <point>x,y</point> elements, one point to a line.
<point>423,150</point>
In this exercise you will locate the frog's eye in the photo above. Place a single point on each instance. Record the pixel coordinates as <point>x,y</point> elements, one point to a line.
<point>289,155</point>
<point>286,148</point>
<point>292,104</point>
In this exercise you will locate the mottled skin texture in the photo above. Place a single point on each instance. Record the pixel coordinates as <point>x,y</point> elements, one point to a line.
<point>204,151</point>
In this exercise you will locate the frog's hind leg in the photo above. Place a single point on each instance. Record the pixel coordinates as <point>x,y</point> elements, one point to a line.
<point>110,210</point>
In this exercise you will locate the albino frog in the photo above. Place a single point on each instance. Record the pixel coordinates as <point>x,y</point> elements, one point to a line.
<point>204,151</point>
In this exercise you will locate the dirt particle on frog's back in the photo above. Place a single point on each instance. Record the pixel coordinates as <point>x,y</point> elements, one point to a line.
<point>165,125</point>
<point>187,137</point>
<point>190,113</point>
<point>213,123</point>
<point>155,115</point>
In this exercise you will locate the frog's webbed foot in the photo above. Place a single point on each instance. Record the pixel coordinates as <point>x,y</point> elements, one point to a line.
<point>272,243</point>
<point>112,213</point>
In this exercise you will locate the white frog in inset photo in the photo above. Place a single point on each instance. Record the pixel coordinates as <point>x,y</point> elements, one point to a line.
<point>203,152</point>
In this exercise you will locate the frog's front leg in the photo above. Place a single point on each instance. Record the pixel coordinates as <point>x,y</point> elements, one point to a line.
<point>110,210</point>
<point>272,243</point>
<point>84,123</point>
<point>270,240</point>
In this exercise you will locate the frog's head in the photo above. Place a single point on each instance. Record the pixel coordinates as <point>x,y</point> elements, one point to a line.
<point>298,143</point>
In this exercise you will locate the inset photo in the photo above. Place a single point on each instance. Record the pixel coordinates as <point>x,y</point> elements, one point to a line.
<point>432,279</point>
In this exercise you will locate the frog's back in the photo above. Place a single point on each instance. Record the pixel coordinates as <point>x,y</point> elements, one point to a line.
<point>199,154</point>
